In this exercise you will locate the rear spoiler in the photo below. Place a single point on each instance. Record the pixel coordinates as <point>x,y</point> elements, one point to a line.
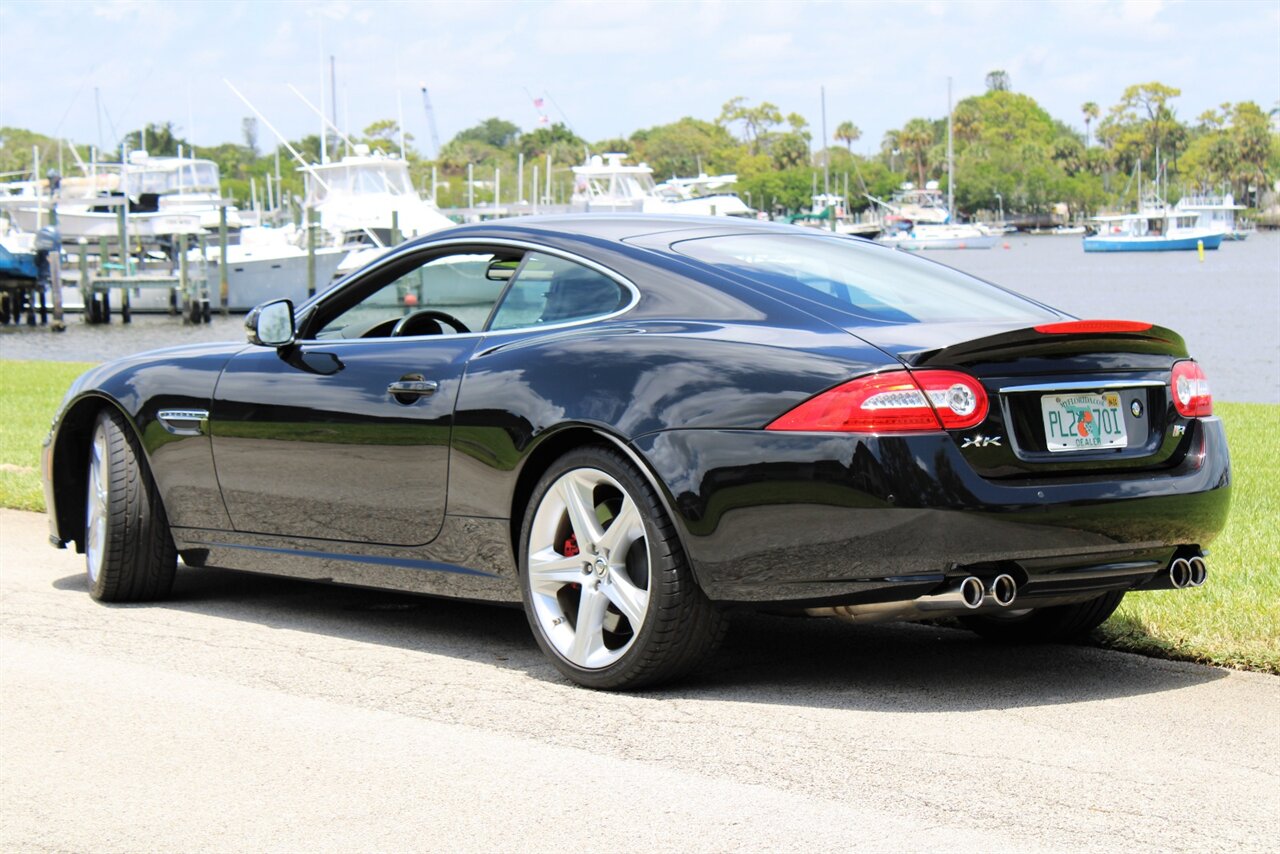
<point>1057,339</point>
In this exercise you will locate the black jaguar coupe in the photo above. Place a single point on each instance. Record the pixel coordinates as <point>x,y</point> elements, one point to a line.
<point>635,424</point>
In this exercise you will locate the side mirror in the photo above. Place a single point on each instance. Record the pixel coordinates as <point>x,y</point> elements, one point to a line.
<point>271,324</point>
<point>501,269</point>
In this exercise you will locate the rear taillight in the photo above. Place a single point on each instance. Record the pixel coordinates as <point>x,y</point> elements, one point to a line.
<point>1190,387</point>
<point>892,402</point>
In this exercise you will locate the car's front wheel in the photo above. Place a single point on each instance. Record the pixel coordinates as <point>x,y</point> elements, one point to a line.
<point>129,551</point>
<point>607,588</point>
<point>1047,625</point>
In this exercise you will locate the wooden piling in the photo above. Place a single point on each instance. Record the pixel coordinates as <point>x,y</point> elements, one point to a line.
<point>222,259</point>
<point>311,252</point>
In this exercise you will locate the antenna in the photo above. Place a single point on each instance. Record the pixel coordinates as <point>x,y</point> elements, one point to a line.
<point>319,113</point>
<point>431,120</point>
<point>296,156</point>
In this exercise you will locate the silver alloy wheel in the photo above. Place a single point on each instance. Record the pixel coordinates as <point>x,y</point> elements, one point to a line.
<point>96,505</point>
<point>590,604</point>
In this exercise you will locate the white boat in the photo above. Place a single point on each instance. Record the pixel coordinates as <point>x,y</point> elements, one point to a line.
<point>940,236</point>
<point>909,205</point>
<point>1217,212</point>
<point>1153,229</point>
<point>360,193</point>
<point>706,195</point>
<point>358,199</point>
<point>166,196</point>
<point>606,184</point>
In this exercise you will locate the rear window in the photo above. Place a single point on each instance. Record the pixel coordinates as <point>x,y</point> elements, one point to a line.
<point>861,279</point>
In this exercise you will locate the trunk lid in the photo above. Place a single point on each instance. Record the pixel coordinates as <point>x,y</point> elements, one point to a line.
<point>1069,399</point>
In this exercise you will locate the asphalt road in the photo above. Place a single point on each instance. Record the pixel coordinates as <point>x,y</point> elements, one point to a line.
<point>261,714</point>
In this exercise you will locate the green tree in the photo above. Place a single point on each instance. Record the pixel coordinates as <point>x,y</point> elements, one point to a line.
<point>495,132</point>
<point>848,133</point>
<point>757,122</point>
<point>998,81</point>
<point>915,140</point>
<point>157,139</point>
<point>384,135</point>
<point>1091,113</point>
<point>685,148</point>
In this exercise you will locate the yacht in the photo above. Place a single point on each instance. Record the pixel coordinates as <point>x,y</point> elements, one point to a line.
<point>356,196</point>
<point>606,184</point>
<point>166,196</point>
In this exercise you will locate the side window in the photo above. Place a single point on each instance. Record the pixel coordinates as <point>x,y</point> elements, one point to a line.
<point>455,286</point>
<point>548,289</point>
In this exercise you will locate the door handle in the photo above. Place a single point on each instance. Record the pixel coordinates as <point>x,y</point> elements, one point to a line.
<point>411,387</point>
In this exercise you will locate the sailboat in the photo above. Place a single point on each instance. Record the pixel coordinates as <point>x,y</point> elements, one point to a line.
<point>935,229</point>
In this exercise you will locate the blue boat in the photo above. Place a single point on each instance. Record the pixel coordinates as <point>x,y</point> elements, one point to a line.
<point>1156,230</point>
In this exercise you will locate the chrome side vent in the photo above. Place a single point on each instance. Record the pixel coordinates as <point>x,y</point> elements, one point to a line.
<point>184,422</point>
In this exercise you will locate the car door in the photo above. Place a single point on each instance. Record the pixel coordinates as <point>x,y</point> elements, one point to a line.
<point>345,434</point>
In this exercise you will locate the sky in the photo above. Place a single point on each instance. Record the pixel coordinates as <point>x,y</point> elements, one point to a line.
<point>605,68</point>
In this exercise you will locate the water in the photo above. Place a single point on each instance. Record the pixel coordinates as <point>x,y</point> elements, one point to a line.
<point>1227,308</point>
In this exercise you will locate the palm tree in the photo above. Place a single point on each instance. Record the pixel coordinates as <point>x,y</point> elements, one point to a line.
<point>848,133</point>
<point>1091,112</point>
<point>890,146</point>
<point>916,138</point>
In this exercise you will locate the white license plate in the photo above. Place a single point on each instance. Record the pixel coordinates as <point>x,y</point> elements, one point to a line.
<point>1083,422</point>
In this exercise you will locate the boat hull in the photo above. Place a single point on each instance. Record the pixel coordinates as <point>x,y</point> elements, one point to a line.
<point>913,244</point>
<point>1121,243</point>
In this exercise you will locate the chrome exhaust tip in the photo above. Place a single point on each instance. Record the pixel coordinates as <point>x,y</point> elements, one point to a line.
<point>972,592</point>
<point>1003,590</point>
<point>1180,573</point>
<point>1197,571</point>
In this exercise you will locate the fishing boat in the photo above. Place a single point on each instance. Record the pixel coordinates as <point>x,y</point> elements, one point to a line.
<point>605,184</point>
<point>361,194</point>
<point>1217,212</point>
<point>1154,229</point>
<point>164,197</point>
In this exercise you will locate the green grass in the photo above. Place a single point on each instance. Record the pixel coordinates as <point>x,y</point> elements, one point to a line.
<point>29,394</point>
<point>1234,620</point>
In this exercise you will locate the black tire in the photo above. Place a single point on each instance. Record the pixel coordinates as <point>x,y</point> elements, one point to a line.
<point>130,555</point>
<point>680,627</point>
<point>1048,625</point>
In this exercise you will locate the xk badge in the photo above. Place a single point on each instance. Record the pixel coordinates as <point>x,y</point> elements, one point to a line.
<point>982,442</point>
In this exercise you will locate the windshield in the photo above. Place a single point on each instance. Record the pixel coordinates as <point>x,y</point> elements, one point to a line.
<point>174,177</point>
<point>858,278</point>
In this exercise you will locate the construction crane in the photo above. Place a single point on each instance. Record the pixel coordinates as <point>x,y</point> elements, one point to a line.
<point>431,120</point>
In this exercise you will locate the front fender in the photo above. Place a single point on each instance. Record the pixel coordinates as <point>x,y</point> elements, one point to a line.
<point>139,387</point>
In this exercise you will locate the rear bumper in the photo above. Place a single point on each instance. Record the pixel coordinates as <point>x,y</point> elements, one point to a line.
<point>805,518</point>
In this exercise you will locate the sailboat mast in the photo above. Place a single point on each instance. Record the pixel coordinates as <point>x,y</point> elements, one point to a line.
<point>951,166</point>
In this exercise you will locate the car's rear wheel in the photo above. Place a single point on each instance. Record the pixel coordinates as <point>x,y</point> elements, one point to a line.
<point>129,552</point>
<point>607,588</point>
<point>1047,625</point>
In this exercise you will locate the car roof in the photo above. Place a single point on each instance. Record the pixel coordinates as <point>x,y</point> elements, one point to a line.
<point>613,226</point>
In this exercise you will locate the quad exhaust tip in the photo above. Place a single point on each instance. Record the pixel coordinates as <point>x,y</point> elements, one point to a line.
<point>1003,590</point>
<point>1198,571</point>
<point>972,592</point>
<point>1188,572</point>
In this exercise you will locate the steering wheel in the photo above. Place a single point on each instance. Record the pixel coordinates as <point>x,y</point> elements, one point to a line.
<point>426,322</point>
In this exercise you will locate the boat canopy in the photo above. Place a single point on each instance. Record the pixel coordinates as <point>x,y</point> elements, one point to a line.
<point>357,176</point>
<point>171,175</point>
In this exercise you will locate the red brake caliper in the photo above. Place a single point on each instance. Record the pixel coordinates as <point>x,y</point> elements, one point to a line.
<point>571,546</point>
